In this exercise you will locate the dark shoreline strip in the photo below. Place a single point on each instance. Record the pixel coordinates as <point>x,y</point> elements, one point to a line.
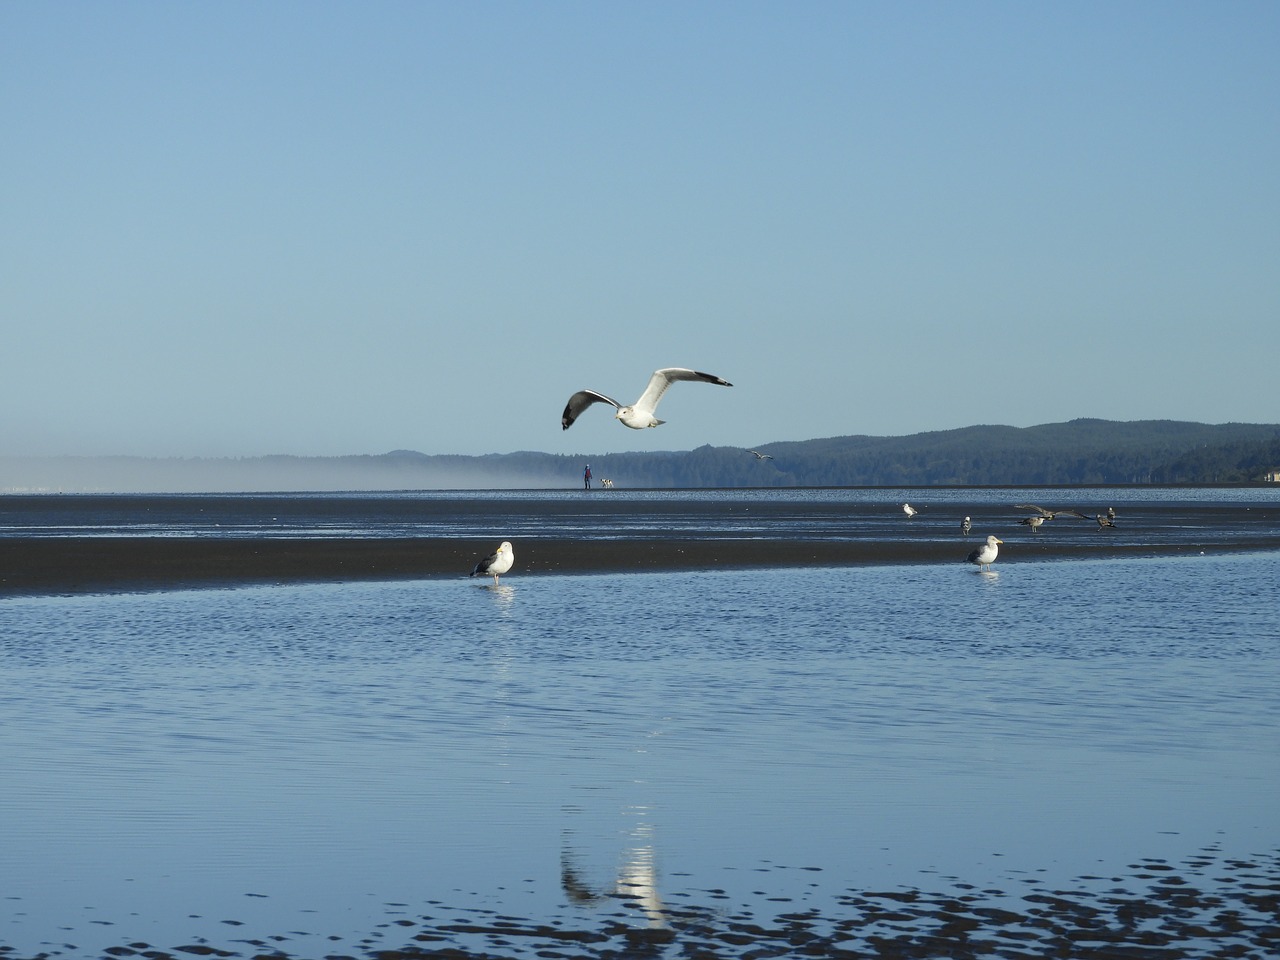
<point>79,565</point>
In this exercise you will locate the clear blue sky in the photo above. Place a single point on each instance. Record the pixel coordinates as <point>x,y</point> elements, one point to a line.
<point>232,229</point>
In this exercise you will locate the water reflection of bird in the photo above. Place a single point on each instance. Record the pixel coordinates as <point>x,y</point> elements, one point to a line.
<point>496,563</point>
<point>1033,523</point>
<point>985,555</point>
<point>965,526</point>
<point>909,510</point>
<point>1050,514</point>
<point>637,881</point>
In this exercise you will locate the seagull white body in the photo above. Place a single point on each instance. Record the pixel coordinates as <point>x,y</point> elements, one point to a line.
<point>965,526</point>
<point>496,563</point>
<point>985,555</point>
<point>640,414</point>
<point>909,510</point>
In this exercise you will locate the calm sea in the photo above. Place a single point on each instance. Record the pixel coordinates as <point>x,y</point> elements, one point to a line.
<point>565,764</point>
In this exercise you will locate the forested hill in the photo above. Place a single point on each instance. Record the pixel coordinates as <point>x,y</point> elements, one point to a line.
<point>1077,452</point>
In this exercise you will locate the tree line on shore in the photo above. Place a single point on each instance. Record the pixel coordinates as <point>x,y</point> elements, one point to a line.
<point>1075,452</point>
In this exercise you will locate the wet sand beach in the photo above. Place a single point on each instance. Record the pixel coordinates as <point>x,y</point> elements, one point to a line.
<point>68,565</point>
<point>265,540</point>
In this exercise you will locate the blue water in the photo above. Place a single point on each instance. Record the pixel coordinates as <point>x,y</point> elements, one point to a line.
<point>314,767</point>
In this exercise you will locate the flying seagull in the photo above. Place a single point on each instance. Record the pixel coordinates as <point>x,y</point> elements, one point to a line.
<point>759,456</point>
<point>499,561</point>
<point>965,526</point>
<point>909,510</point>
<point>985,555</point>
<point>637,415</point>
<point>1049,514</point>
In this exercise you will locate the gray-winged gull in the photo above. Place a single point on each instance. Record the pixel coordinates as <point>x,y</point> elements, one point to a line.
<point>909,510</point>
<point>965,526</point>
<point>640,414</point>
<point>985,555</point>
<point>496,563</point>
<point>1050,514</point>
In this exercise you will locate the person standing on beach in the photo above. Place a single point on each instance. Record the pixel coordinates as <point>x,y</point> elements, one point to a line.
<point>586,477</point>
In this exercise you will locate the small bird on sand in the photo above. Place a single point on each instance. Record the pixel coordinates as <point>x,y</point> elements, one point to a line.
<point>496,563</point>
<point>985,555</point>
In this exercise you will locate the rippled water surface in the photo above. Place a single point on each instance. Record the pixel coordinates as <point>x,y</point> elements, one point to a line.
<point>315,768</point>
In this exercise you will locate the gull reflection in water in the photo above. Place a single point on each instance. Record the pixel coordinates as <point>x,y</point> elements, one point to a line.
<point>636,880</point>
<point>503,594</point>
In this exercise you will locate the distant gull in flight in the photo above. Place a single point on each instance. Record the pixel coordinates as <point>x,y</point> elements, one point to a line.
<point>759,456</point>
<point>985,555</point>
<point>640,414</point>
<point>965,526</point>
<point>1049,514</point>
<point>498,562</point>
<point>909,510</point>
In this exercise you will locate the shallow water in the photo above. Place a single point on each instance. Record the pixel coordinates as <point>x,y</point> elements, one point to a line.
<point>318,769</point>
<point>1147,514</point>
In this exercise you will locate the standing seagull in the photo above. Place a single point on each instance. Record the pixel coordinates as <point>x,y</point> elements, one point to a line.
<point>909,510</point>
<point>497,562</point>
<point>965,526</point>
<point>985,555</point>
<point>1033,523</point>
<point>637,415</point>
<point>1105,521</point>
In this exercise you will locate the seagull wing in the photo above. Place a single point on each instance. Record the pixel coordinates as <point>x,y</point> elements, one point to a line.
<point>1031,506</point>
<point>663,378</point>
<point>484,565</point>
<point>579,402</point>
<point>1073,513</point>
